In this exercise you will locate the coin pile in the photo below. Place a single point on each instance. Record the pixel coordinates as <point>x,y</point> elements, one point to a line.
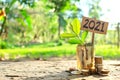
<point>99,66</point>
<point>85,72</point>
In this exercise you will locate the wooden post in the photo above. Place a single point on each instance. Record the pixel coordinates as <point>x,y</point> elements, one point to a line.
<point>92,69</point>
<point>92,51</point>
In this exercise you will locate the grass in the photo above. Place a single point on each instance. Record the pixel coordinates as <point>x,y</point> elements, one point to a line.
<point>39,51</point>
<point>108,51</point>
<point>51,50</point>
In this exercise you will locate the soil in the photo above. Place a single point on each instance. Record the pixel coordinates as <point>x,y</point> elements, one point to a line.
<point>52,70</point>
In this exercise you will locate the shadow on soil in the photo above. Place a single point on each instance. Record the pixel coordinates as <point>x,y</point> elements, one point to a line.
<point>63,76</point>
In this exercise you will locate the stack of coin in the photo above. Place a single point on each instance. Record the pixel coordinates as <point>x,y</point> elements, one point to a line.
<point>75,72</point>
<point>98,64</point>
<point>99,67</point>
<point>85,72</point>
<point>92,70</point>
<point>104,72</point>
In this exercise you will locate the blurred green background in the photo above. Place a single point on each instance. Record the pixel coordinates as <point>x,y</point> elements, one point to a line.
<point>32,28</point>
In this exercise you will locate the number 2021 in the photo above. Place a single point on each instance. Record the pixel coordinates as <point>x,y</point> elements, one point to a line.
<point>92,25</point>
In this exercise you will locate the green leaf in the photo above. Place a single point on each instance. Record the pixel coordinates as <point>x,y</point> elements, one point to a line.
<point>67,35</point>
<point>84,35</point>
<point>75,41</point>
<point>27,19</point>
<point>75,24</point>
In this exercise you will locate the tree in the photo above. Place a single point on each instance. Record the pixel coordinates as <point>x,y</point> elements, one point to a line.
<point>94,9</point>
<point>15,11</point>
<point>45,27</point>
<point>59,7</point>
<point>3,17</point>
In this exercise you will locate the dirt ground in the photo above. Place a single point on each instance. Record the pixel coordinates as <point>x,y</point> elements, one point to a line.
<point>52,70</point>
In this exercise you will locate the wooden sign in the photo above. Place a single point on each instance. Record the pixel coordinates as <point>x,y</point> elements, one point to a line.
<point>94,25</point>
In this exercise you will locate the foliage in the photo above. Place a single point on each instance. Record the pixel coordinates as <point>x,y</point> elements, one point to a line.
<point>5,45</point>
<point>74,35</point>
<point>45,24</point>
<point>18,20</point>
<point>27,18</point>
<point>95,10</point>
<point>30,3</point>
<point>41,23</point>
<point>59,7</point>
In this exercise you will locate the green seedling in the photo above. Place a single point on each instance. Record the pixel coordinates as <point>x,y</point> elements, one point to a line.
<point>75,36</point>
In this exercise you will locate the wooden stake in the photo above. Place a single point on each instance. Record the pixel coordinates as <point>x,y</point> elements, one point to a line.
<point>92,51</point>
<point>93,34</point>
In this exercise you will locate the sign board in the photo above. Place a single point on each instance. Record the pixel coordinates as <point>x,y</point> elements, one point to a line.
<point>94,25</point>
